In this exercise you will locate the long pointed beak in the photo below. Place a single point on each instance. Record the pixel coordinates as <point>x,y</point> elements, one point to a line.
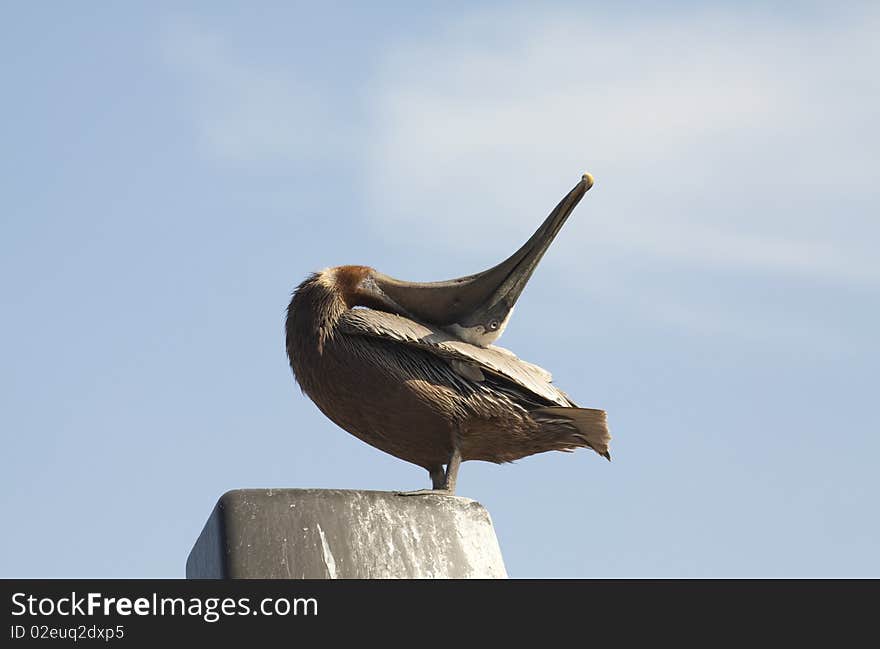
<point>487,298</point>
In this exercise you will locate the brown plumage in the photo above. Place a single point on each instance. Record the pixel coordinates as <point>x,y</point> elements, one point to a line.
<point>363,349</point>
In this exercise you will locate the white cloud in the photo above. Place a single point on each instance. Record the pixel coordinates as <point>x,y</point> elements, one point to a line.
<point>716,140</point>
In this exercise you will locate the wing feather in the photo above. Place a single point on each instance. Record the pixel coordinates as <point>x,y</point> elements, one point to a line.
<point>494,360</point>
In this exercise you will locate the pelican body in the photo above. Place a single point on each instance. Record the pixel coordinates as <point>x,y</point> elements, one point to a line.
<point>410,368</point>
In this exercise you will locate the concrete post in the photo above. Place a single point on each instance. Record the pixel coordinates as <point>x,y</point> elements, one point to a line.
<point>337,534</point>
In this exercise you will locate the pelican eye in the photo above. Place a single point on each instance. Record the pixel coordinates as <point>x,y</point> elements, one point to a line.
<point>493,325</point>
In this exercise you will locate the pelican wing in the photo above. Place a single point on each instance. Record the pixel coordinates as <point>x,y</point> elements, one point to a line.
<point>465,359</point>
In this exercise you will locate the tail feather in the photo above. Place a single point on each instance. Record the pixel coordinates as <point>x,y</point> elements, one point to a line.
<point>591,426</point>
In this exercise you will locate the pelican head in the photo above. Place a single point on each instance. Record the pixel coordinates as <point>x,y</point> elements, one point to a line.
<point>475,308</point>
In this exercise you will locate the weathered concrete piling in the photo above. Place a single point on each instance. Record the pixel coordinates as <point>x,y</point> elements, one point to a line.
<point>338,534</point>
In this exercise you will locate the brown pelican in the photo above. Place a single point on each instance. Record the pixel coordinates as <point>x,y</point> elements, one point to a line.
<point>410,367</point>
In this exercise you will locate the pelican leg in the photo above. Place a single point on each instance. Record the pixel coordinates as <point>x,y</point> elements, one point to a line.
<point>443,481</point>
<point>452,471</point>
<point>438,476</point>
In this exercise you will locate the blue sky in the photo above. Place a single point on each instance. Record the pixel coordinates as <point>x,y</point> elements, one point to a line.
<point>172,171</point>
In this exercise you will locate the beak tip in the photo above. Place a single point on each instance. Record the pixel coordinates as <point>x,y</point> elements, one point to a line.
<point>588,179</point>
